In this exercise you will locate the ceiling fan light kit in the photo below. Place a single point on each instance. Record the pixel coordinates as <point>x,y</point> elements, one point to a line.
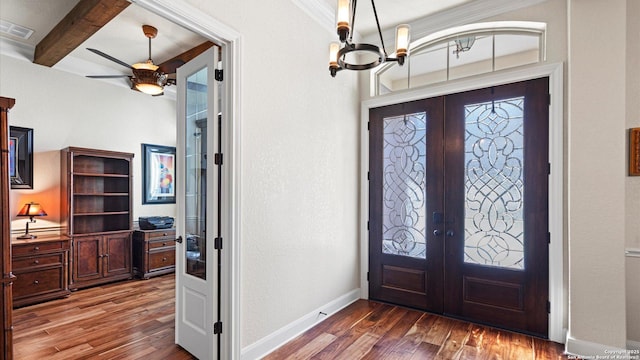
<point>146,77</point>
<point>345,20</point>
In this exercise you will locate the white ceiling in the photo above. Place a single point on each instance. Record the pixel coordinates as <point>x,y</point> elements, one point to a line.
<point>394,12</point>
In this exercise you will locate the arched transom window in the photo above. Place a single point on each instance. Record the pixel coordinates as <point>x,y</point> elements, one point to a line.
<point>461,52</point>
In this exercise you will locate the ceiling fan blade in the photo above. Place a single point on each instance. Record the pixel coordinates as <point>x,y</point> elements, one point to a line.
<point>98,52</point>
<point>172,64</point>
<point>107,76</point>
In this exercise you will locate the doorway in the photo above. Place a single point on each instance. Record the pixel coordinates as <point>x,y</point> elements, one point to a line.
<point>458,205</point>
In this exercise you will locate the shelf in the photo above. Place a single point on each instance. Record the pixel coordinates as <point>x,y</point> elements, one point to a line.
<point>101,175</point>
<point>102,213</point>
<point>100,194</point>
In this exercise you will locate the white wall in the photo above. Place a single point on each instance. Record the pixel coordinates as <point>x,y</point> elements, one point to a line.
<point>71,110</point>
<point>633,182</point>
<point>299,245</point>
<point>597,169</point>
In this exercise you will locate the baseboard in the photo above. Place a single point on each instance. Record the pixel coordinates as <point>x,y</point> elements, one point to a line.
<point>587,349</point>
<point>281,336</point>
<point>633,345</point>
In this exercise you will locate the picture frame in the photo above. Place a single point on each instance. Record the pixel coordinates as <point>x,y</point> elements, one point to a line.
<point>21,157</point>
<point>158,174</point>
<point>634,152</point>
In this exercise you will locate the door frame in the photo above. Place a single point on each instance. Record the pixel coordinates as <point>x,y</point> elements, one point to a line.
<point>557,285</point>
<point>230,40</point>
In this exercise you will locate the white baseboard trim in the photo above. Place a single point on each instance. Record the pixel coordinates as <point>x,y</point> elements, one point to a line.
<point>633,345</point>
<point>589,349</point>
<point>281,336</point>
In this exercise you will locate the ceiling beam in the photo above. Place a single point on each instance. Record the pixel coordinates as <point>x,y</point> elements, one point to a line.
<point>84,20</point>
<point>175,62</point>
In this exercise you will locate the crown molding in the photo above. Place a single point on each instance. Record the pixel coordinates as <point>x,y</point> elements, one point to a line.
<point>16,49</point>
<point>320,11</point>
<point>460,15</point>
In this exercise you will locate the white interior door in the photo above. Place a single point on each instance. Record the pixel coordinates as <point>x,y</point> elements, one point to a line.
<point>197,200</point>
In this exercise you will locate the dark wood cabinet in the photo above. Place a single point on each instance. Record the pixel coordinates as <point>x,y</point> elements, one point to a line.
<point>6,298</point>
<point>154,252</point>
<point>96,208</point>
<point>41,269</point>
<point>101,258</point>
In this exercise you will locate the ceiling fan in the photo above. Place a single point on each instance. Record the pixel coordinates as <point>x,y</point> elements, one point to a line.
<point>146,77</point>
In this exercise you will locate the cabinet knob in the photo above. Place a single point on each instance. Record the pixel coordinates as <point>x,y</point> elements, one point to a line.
<point>164,234</point>
<point>36,248</point>
<point>36,262</point>
<point>164,244</point>
<point>164,259</point>
<point>36,282</point>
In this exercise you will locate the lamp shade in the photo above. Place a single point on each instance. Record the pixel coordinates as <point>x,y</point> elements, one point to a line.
<point>32,209</point>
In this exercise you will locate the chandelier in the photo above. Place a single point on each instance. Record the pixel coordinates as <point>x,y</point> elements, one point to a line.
<point>345,22</point>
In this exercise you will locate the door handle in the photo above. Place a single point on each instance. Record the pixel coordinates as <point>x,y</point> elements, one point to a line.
<point>450,233</point>
<point>179,239</point>
<point>437,232</point>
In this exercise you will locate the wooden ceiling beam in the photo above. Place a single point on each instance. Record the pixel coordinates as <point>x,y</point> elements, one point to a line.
<point>84,20</point>
<point>172,64</point>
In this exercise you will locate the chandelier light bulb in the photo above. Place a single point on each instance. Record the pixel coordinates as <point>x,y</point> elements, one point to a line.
<point>343,14</point>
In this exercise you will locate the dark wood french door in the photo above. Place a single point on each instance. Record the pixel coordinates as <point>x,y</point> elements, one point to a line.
<point>458,214</point>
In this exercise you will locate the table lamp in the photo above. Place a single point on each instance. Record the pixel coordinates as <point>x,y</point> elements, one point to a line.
<point>31,209</point>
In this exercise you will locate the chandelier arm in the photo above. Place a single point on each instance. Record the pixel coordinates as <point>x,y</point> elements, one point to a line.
<point>354,4</point>
<point>375,14</point>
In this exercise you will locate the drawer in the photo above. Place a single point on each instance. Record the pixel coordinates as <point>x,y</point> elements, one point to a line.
<point>41,260</point>
<point>162,259</point>
<point>168,233</point>
<point>35,248</point>
<point>38,282</point>
<point>160,243</point>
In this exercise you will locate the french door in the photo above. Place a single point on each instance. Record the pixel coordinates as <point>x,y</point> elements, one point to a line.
<point>198,194</point>
<point>458,205</point>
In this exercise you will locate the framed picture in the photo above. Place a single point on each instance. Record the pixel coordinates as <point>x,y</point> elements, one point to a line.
<point>158,174</point>
<point>21,157</point>
<point>634,152</point>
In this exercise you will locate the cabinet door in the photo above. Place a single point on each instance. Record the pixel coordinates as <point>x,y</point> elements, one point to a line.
<point>117,254</point>
<point>87,258</point>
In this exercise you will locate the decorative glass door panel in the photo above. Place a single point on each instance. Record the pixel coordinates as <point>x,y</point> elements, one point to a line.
<point>404,214</point>
<point>494,183</point>
<point>196,174</point>
<point>458,205</point>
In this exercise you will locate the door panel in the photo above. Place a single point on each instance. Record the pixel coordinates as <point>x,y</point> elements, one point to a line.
<point>197,220</point>
<point>406,198</point>
<point>497,248</point>
<point>117,253</point>
<point>458,205</point>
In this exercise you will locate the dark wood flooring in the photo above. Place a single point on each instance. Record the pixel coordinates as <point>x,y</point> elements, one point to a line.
<point>135,320</point>
<point>374,331</point>
<point>125,320</point>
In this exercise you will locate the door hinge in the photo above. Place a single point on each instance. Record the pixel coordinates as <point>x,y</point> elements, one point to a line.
<point>549,99</point>
<point>548,168</point>
<point>548,238</point>
<point>548,307</point>
<point>217,243</point>
<point>367,276</point>
<point>367,225</point>
<point>217,159</point>
<point>368,125</point>
<point>368,175</point>
<point>217,328</point>
<point>218,74</point>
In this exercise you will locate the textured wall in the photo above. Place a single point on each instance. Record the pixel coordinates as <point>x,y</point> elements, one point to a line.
<point>597,171</point>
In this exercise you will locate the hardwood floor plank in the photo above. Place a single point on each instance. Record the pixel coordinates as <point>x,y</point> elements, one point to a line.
<point>383,332</point>
<point>126,320</point>
<point>315,346</point>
